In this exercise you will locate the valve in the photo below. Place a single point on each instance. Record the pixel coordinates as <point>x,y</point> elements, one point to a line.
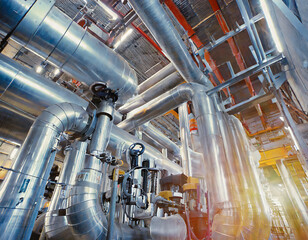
<point>135,153</point>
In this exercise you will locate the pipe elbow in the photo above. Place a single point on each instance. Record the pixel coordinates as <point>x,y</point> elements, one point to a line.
<point>65,116</point>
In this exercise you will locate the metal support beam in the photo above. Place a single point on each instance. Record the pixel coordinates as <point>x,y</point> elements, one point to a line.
<point>246,73</point>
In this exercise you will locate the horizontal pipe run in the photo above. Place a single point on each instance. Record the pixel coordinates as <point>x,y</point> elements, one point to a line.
<point>159,88</point>
<point>155,78</point>
<point>51,34</point>
<point>162,139</point>
<point>246,73</point>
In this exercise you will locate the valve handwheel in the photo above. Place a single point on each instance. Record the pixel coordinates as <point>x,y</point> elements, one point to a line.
<point>136,152</point>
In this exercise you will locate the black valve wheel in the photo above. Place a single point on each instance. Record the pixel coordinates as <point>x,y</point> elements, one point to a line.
<point>136,152</point>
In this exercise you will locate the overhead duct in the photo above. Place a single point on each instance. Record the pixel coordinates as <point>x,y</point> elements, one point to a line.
<point>44,29</point>
<point>24,185</point>
<point>159,24</point>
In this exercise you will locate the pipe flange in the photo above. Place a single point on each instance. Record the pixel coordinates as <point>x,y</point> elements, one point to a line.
<point>91,127</point>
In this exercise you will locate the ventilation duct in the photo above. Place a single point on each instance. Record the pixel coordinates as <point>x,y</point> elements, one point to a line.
<point>45,30</point>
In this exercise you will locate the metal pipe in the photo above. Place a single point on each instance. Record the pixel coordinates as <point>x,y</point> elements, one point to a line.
<point>21,190</point>
<point>185,137</point>
<point>159,137</point>
<point>301,230</point>
<point>47,31</point>
<point>159,106</point>
<point>120,140</point>
<point>157,21</point>
<point>157,77</point>
<point>22,88</point>
<point>113,203</point>
<point>55,219</point>
<point>159,88</point>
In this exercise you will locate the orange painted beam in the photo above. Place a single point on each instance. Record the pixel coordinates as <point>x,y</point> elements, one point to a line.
<point>192,35</point>
<point>174,113</point>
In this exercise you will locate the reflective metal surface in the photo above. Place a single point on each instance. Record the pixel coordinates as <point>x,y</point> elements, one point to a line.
<point>48,32</point>
<point>73,163</point>
<point>185,139</point>
<point>22,88</point>
<point>168,228</point>
<point>22,188</point>
<point>158,89</point>
<point>155,78</point>
<point>159,24</point>
<point>161,138</point>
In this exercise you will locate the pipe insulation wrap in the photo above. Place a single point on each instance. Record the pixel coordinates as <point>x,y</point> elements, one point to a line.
<point>159,24</point>
<point>22,188</point>
<point>50,33</point>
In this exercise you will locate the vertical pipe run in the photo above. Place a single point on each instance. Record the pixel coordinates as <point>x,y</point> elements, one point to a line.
<point>185,139</point>
<point>113,203</point>
<point>73,163</point>
<point>21,189</point>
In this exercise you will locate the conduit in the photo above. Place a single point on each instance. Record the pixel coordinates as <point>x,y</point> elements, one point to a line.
<point>23,186</point>
<point>47,31</point>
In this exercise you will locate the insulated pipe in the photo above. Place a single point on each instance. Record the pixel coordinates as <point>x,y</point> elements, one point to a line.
<point>73,163</point>
<point>121,140</point>
<point>207,120</point>
<point>23,186</point>
<point>159,24</point>
<point>159,88</point>
<point>27,94</point>
<point>227,210</point>
<point>185,137</point>
<point>22,88</point>
<point>84,214</point>
<point>161,138</point>
<point>47,31</point>
<point>157,77</point>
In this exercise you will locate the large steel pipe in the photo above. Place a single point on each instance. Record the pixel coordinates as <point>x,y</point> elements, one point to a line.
<point>161,87</point>
<point>23,186</point>
<point>47,31</point>
<point>73,163</point>
<point>155,78</point>
<point>159,24</point>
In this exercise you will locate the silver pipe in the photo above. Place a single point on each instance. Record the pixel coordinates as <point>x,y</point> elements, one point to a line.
<point>161,87</point>
<point>301,212</point>
<point>158,106</point>
<point>54,220</point>
<point>84,214</point>
<point>22,88</point>
<point>155,78</point>
<point>159,24</point>
<point>21,190</point>
<point>159,137</point>
<point>185,138</point>
<point>120,140</point>
<point>47,31</point>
